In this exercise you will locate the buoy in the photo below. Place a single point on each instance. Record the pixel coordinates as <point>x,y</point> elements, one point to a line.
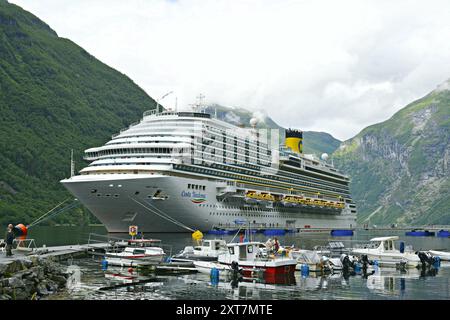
<point>437,262</point>
<point>214,275</point>
<point>21,231</point>
<point>130,270</point>
<point>304,270</point>
<point>197,235</point>
<point>104,264</point>
<point>375,265</point>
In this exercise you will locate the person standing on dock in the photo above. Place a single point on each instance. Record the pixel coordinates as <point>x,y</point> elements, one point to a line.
<point>276,245</point>
<point>9,239</point>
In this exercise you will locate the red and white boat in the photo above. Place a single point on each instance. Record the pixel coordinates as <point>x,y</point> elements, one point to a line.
<point>250,259</point>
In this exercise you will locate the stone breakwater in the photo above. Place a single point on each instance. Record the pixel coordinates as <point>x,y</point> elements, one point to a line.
<point>31,278</point>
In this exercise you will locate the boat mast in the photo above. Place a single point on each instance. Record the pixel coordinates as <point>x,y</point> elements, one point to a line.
<point>72,164</point>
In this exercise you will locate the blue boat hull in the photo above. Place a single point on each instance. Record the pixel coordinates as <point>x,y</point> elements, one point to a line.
<point>443,233</point>
<point>419,234</point>
<point>341,233</point>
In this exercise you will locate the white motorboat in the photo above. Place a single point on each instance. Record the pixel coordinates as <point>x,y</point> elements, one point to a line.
<point>310,258</point>
<point>208,250</point>
<point>138,252</point>
<point>443,255</point>
<point>383,250</point>
<point>207,266</point>
<point>315,261</point>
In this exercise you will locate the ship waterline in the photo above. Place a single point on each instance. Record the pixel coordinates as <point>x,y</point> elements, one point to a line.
<point>176,172</point>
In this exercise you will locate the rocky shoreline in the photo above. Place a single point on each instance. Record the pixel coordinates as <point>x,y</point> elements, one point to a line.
<point>31,278</point>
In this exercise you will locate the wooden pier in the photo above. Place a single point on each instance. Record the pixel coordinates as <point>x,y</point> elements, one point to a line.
<point>58,253</point>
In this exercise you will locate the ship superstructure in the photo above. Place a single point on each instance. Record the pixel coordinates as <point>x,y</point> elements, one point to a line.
<point>174,171</point>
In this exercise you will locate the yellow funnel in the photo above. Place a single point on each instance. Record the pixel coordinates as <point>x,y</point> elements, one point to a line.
<point>294,140</point>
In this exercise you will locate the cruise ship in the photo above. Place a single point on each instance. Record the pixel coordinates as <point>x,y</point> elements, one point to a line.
<point>183,171</point>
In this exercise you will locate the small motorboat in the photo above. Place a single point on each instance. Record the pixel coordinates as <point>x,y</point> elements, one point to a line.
<point>250,259</point>
<point>332,249</point>
<point>208,250</point>
<point>383,250</point>
<point>315,261</point>
<point>310,258</point>
<point>443,255</point>
<point>443,233</point>
<point>137,252</point>
<point>419,233</point>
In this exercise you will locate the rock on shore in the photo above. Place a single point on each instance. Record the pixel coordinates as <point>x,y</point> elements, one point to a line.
<point>31,278</point>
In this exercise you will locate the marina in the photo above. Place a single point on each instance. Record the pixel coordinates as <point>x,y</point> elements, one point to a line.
<point>173,279</point>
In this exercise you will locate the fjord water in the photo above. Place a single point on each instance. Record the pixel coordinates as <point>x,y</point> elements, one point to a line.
<point>385,284</point>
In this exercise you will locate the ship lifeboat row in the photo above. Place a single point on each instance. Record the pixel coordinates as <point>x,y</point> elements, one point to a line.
<point>260,196</point>
<point>292,201</point>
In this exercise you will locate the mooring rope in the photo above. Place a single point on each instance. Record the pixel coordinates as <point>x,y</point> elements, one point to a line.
<point>163,215</point>
<point>52,213</point>
<point>35,221</point>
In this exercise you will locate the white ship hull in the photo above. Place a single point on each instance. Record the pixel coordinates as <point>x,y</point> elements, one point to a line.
<point>128,199</point>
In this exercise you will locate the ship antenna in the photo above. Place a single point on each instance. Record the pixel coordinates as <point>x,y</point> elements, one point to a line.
<point>72,164</point>
<point>157,101</point>
<point>198,106</point>
<point>200,98</point>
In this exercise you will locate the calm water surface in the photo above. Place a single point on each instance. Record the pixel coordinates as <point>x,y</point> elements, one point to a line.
<point>384,284</point>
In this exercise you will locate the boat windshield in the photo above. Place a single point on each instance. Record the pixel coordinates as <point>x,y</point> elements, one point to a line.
<point>144,243</point>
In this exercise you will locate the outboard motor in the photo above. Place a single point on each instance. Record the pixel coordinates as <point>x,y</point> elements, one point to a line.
<point>426,258</point>
<point>346,263</point>
<point>365,260</point>
<point>236,272</point>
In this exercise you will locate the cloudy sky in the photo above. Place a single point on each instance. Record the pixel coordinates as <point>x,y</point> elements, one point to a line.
<point>334,66</point>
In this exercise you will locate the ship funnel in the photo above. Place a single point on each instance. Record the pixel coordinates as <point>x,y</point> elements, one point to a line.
<point>294,140</point>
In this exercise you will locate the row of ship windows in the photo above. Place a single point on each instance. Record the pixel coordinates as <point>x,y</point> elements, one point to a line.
<point>192,130</point>
<point>194,126</point>
<point>253,145</point>
<point>228,153</point>
<point>129,150</point>
<point>223,174</point>
<point>250,215</point>
<point>230,146</point>
<point>196,187</point>
<point>236,207</point>
<point>229,142</point>
<point>94,191</point>
<point>171,141</point>
<point>238,158</point>
<point>277,177</point>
